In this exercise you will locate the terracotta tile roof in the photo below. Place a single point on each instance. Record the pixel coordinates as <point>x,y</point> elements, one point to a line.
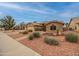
<point>55,22</point>
<point>44,23</point>
<point>77,23</point>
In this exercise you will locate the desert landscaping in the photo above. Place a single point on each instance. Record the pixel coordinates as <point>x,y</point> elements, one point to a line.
<point>62,47</point>
<point>51,42</point>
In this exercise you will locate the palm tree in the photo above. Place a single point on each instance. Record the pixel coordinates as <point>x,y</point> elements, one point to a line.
<point>8,22</point>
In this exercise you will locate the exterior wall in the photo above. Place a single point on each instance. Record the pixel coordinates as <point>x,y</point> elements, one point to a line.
<point>39,28</point>
<point>30,28</point>
<point>58,25</point>
<point>74,24</point>
<point>77,27</point>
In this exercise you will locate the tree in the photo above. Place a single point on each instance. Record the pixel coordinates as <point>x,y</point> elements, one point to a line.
<point>67,25</point>
<point>8,22</point>
<point>0,24</point>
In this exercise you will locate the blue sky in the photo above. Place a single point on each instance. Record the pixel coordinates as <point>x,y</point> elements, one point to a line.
<point>40,12</point>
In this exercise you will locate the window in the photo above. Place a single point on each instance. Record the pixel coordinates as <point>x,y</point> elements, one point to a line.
<point>75,27</point>
<point>52,27</point>
<point>78,25</point>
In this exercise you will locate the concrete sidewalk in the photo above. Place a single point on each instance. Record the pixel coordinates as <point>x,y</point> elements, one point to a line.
<point>10,47</point>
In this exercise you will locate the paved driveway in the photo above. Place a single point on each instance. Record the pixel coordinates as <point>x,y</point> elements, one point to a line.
<point>10,47</point>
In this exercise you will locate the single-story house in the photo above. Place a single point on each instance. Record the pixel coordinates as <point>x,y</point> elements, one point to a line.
<point>74,24</point>
<point>46,26</point>
<point>35,26</point>
<point>54,25</point>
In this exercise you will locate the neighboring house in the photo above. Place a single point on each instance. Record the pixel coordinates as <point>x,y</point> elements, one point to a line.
<point>74,24</point>
<point>46,26</point>
<point>34,26</point>
<point>30,26</point>
<point>1,28</point>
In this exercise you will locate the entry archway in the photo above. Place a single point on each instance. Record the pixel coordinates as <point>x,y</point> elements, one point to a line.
<point>53,27</point>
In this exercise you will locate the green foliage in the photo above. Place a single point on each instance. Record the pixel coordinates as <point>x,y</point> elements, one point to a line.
<point>30,37</point>
<point>36,34</point>
<point>71,37</point>
<point>8,22</point>
<point>0,24</point>
<point>57,30</point>
<point>67,25</point>
<point>51,41</point>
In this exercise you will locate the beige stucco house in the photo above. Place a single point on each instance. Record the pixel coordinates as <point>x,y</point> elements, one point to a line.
<point>74,24</point>
<point>46,26</point>
<point>32,26</point>
<point>53,25</point>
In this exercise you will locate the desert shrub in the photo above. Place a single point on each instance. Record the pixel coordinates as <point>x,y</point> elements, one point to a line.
<point>71,37</point>
<point>30,37</point>
<point>25,32</point>
<point>51,41</point>
<point>36,34</point>
<point>57,30</point>
<point>29,30</point>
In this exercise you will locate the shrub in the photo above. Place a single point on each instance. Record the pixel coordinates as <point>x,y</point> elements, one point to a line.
<point>51,41</point>
<point>30,37</point>
<point>57,30</point>
<point>25,32</point>
<point>71,37</point>
<point>36,34</point>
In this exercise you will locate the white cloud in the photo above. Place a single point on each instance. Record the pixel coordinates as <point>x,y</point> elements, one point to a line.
<point>21,8</point>
<point>38,11</point>
<point>70,11</point>
<point>10,5</point>
<point>43,10</point>
<point>65,14</point>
